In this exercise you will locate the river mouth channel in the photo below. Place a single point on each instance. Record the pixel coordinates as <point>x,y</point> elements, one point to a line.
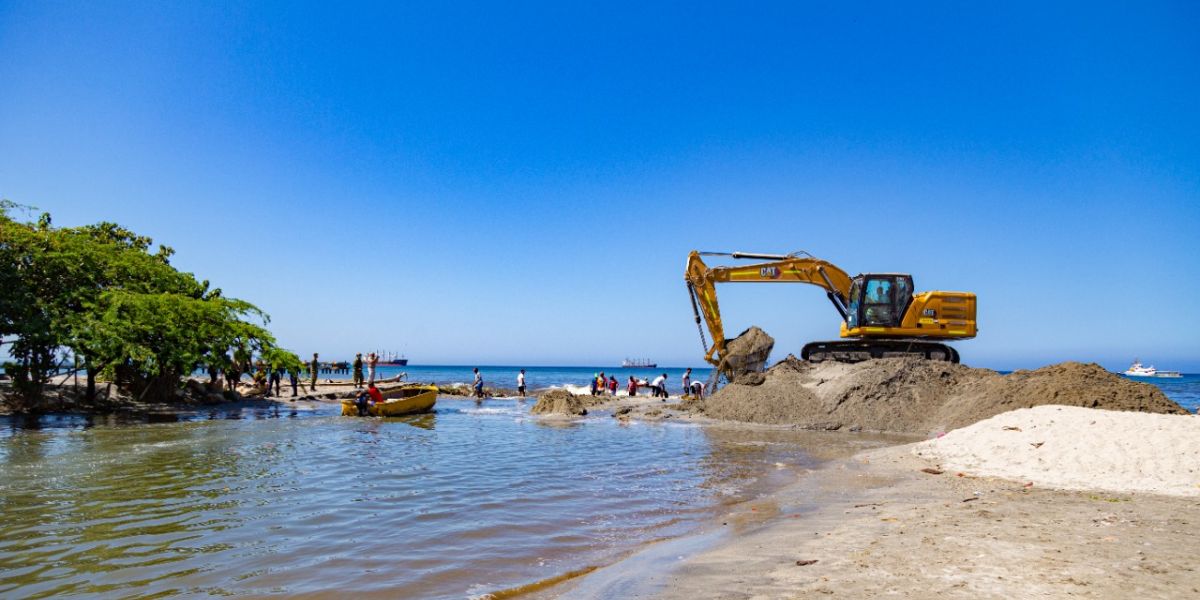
<point>455,504</point>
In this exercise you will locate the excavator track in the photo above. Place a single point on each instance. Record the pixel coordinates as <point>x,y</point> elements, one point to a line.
<point>860,350</point>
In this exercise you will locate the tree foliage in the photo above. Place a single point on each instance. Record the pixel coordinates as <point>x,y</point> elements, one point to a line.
<point>100,293</point>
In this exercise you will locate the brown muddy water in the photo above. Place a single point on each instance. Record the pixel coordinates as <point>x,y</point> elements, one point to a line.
<point>457,504</point>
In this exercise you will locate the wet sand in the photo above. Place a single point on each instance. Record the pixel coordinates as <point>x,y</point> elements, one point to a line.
<point>876,525</point>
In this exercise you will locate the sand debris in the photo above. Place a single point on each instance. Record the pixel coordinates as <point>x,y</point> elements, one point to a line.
<point>920,396</point>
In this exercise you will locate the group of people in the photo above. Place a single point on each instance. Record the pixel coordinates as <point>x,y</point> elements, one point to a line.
<point>372,363</point>
<point>477,385</point>
<point>601,383</point>
<point>658,386</point>
<point>607,384</point>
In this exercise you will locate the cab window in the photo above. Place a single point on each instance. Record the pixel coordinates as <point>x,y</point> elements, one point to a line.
<point>904,296</point>
<point>879,303</point>
<point>855,304</point>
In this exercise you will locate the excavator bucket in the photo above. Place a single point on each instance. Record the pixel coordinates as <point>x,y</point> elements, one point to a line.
<point>746,353</point>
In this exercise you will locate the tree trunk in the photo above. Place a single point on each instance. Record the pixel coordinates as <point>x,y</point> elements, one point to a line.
<point>91,383</point>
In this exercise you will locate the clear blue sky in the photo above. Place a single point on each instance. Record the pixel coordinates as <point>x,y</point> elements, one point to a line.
<point>520,183</point>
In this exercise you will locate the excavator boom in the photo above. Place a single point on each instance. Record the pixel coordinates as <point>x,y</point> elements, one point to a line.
<point>702,282</point>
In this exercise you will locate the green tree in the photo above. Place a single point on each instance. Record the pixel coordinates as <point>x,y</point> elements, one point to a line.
<point>125,313</point>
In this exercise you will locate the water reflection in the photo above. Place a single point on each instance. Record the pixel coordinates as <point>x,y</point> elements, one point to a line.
<point>422,421</point>
<point>274,501</point>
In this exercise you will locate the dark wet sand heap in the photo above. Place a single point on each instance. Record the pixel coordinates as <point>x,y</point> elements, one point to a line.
<point>918,396</point>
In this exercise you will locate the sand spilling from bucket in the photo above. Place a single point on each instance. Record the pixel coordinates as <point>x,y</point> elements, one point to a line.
<point>919,396</point>
<point>746,354</point>
<point>1077,448</point>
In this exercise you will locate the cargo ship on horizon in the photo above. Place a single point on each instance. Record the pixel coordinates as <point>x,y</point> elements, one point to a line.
<point>391,359</point>
<point>638,363</point>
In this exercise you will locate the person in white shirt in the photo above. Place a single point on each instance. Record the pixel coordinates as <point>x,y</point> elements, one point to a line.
<point>521,383</point>
<point>687,381</point>
<point>660,386</point>
<point>372,362</point>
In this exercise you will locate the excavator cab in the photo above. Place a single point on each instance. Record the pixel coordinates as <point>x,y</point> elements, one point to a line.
<point>878,300</point>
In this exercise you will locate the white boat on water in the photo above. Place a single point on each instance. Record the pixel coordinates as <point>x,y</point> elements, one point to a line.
<point>1139,370</point>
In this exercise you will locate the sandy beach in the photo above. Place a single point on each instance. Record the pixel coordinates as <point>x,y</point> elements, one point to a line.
<point>1064,481</point>
<point>903,522</point>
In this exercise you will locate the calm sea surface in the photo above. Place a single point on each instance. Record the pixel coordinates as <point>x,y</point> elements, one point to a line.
<point>458,503</point>
<point>536,378</point>
<point>1183,390</point>
<point>469,500</point>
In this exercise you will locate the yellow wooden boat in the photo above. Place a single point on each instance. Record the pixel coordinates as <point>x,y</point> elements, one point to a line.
<point>398,401</point>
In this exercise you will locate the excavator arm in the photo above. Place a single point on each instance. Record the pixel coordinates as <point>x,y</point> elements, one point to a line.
<point>794,268</point>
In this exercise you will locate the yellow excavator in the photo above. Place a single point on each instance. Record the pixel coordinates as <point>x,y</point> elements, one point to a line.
<point>881,315</point>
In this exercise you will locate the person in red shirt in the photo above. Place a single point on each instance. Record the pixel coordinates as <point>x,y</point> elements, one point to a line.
<point>612,385</point>
<point>633,386</point>
<point>366,399</point>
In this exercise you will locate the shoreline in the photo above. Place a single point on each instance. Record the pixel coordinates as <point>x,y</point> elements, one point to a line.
<point>63,402</point>
<point>875,524</point>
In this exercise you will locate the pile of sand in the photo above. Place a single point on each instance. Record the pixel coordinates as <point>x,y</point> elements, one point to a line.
<point>560,402</point>
<point>1078,448</point>
<point>919,396</point>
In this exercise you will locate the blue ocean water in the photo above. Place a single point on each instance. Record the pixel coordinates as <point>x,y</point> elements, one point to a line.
<point>1183,390</point>
<point>536,378</point>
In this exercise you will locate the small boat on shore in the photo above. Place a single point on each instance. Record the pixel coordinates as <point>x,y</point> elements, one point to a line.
<point>398,401</point>
<point>347,383</point>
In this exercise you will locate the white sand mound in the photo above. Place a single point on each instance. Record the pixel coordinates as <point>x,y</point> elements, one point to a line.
<point>1069,447</point>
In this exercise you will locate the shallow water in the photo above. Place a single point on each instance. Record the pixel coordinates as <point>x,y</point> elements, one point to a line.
<point>458,503</point>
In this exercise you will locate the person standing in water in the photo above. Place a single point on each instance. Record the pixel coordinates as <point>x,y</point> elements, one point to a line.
<point>314,367</point>
<point>372,360</point>
<point>358,378</point>
<point>294,376</point>
<point>478,384</point>
<point>521,383</point>
<point>274,380</point>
